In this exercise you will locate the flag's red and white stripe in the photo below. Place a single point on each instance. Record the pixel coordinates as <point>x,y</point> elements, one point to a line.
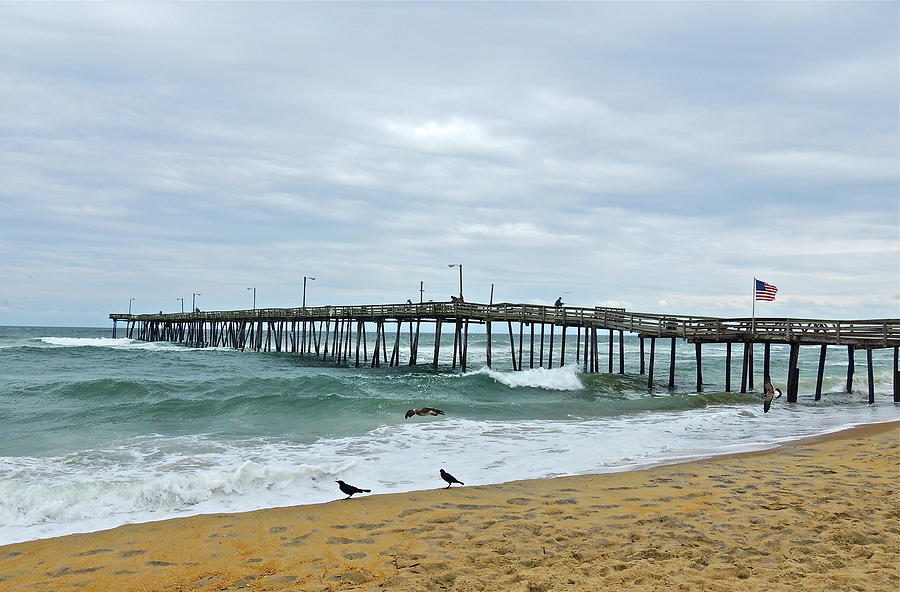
<point>765,291</point>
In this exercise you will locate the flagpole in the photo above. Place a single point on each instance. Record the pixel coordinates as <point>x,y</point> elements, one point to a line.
<point>753,300</point>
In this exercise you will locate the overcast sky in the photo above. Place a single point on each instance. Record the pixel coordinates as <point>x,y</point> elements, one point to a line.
<point>656,156</point>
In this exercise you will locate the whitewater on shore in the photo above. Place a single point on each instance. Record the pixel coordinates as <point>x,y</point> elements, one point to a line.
<point>100,432</point>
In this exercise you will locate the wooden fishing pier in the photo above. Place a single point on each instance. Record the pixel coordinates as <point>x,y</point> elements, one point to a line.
<point>338,333</point>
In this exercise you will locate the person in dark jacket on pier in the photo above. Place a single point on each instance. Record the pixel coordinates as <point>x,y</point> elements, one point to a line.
<point>558,302</point>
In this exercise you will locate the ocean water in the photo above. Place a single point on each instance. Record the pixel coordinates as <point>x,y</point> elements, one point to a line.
<point>97,432</point>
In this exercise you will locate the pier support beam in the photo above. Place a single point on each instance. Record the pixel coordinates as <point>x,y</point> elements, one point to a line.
<point>642,354</point>
<point>745,366</point>
<point>414,344</point>
<point>359,333</point>
<point>621,351</point>
<point>464,347</point>
<point>395,354</point>
<point>521,333</point>
<point>541,356</point>
<point>896,375</point>
<point>793,379</point>
<point>562,348</point>
<point>672,365</point>
<point>610,364</point>
<point>871,376</point>
<point>531,353</point>
<point>488,343</point>
<point>699,356</point>
<point>550,351</point>
<point>750,369</point>
<point>578,346</point>
<point>850,368</point>
<point>650,365</point>
<point>437,343</point>
<point>456,337</point>
<point>512,346</point>
<point>588,360</point>
<point>821,373</point>
<point>728,367</point>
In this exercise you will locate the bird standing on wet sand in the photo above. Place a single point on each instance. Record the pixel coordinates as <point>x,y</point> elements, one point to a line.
<point>769,395</point>
<point>450,479</point>
<point>423,411</point>
<point>350,490</point>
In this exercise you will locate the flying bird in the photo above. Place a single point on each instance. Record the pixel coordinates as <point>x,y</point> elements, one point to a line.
<point>350,490</point>
<point>769,395</point>
<point>450,479</point>
<point>423,411</point>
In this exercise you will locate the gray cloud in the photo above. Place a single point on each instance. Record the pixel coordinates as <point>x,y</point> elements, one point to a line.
<point>652,155</point>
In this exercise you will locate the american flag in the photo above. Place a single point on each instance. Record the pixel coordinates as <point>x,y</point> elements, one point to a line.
<point>765,291</point>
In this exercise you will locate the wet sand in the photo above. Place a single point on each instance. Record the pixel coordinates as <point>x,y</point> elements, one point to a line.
<point>821,514</point>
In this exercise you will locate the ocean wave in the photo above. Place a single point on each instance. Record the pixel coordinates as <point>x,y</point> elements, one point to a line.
<point>565,378</point>
<point>117,343</point>
<point>157,477</point>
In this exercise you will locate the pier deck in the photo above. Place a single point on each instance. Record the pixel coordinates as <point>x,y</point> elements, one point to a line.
<point>330,331</point>
<point>861,334</point>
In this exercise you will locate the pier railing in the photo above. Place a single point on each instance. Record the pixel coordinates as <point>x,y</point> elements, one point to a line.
<point>867,333</point>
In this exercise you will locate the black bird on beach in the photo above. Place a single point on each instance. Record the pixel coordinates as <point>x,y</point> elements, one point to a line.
<point>350,490</point>
<point>450,479</point>
<point>769,395</point>
<point>423,411</point>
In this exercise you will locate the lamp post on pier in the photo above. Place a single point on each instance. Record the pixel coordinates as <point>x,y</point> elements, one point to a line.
<point>460,266</point>
<point>306,277</point>
<point>194,301</point>
<point>182,304</point>
<point>254,297</point>
<point>130,300</point>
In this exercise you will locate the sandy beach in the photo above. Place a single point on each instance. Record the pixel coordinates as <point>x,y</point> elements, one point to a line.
<point>820,514</point>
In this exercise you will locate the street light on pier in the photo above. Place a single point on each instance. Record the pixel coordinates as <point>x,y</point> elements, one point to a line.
<point>254,297</point>
<point>182,304</point>
<point>194,301</point>
<point>130,300</point>
<point>306,277</point>
<point>459,265</point>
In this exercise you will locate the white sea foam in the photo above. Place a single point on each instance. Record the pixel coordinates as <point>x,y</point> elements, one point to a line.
<point>565,378</point>
<point>117,343</point>
<point>158,477</point>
